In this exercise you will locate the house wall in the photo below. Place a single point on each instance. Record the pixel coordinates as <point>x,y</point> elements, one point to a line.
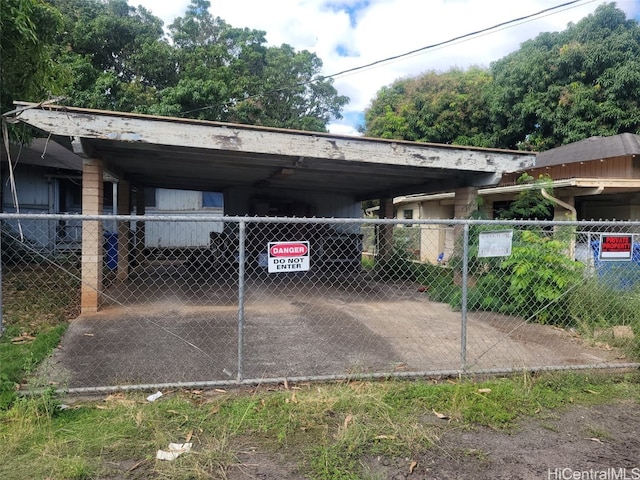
<point>160,234</point>
<point>434,239</point>
<point>238,201</point>
<point>619,167</point>
<point>241,201</point>
<point>33,192</point>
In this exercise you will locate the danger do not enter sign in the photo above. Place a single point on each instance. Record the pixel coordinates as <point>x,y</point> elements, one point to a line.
<point>288,257</point>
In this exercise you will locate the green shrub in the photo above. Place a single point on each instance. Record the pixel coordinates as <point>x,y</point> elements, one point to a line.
<point>400,265</point>
<point>533,282</point>
<point>539,273</point>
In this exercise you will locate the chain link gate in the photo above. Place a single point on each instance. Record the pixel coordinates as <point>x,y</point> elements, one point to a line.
<point>210,300</point>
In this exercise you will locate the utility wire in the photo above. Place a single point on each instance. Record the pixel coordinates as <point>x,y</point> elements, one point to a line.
<point>488,31</point>
<point>402,55</point>
<point>455,39</point>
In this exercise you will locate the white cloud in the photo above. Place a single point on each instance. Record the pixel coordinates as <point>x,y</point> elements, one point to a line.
<point>384,28</point>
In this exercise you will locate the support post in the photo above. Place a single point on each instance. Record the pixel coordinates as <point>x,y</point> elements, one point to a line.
<point>465,202</point>
<point>92,238</point>
<point>140,226</point>
<point>385,237</point>
<point>124,208</point>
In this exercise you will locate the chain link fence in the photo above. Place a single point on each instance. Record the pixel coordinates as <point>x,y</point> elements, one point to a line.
<point>206,301</point>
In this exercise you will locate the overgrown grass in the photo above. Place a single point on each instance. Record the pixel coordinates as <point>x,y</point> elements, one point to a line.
<point>597,308</point>
<point>326,429</point>
<point>19,360</point>
<point>38,300</point>
<point>537,282</point>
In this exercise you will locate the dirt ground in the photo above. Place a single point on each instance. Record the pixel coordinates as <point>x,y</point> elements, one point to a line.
<point>583,442</point>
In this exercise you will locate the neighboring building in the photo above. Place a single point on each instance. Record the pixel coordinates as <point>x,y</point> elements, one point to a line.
<point>44,178</point>
<point>48,179</point>
<point>596,178</point>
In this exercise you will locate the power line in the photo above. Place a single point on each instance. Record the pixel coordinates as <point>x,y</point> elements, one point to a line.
<point>456,39</point>
<point>459,38</point>
<point>487,32</point>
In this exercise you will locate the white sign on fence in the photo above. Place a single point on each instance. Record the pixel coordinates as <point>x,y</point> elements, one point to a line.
<point>288,257</point>
<point>495,244</point>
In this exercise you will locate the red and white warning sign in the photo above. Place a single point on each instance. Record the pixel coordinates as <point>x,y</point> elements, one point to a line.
<point>616,246</point>
<point>288,257</point>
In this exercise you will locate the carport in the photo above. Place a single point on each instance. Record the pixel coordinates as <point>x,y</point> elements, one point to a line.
<point>242,162</point>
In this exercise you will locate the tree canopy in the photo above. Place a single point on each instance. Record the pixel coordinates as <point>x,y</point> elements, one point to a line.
<point>27,31</point>
<point>435,107</point>
<point>555,89</point>
<point>108,55</point>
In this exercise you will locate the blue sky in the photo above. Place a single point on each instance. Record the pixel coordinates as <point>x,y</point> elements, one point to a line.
<point>350,33</point>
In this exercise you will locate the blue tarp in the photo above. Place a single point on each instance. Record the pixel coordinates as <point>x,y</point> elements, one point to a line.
<point>111,250</point>
<point>622,274</point>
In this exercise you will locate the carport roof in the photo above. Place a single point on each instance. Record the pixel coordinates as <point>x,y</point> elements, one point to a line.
<point>190,154</point>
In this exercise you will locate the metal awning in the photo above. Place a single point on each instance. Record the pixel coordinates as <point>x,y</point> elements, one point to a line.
<point>167,152</point>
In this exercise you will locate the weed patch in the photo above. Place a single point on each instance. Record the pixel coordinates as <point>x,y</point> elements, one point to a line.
<point>38,301</point>
<point>327,430</point>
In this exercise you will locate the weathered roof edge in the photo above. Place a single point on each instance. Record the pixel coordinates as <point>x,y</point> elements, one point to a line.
<point>592,148</point>
<point>241,126</point>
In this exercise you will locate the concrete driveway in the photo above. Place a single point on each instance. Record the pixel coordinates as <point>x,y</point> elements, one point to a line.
<point>299,329</point>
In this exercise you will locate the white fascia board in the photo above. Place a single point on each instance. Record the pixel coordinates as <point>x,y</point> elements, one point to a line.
<point>215,136</point>
<point>556,184</point>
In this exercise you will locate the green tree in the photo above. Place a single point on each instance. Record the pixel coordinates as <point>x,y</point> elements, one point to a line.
<point>229,74</point>
<point>562,87</point>
<point>27,32</point>
<point>529,204</point>
<point>555,89</point>
<point>436,107</point>
<point>121,60</point>
<point>117,54</point>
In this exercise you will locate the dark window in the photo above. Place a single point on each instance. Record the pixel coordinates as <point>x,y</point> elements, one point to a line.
<point>70,195</point>
<point>500,207</point>
<point>107,194</point>
<point>408,214</point>
<point>150,197</point>
<point>212,199</point>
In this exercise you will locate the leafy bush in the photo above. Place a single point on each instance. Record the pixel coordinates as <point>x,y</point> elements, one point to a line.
<point>401,264</point>
<point>533,282</point>
<point>539,274</point>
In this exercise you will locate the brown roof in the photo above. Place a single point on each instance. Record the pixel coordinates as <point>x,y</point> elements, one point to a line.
<point>593,148</point>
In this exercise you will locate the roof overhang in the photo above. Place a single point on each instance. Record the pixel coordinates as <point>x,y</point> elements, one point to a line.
<point>211,156</point>
<point>570,187</point>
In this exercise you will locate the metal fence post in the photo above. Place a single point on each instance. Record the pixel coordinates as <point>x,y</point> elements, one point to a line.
<point>241,261</point>
<point>1,305</point>
<point>591,263</point>
<point>463,309</point>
